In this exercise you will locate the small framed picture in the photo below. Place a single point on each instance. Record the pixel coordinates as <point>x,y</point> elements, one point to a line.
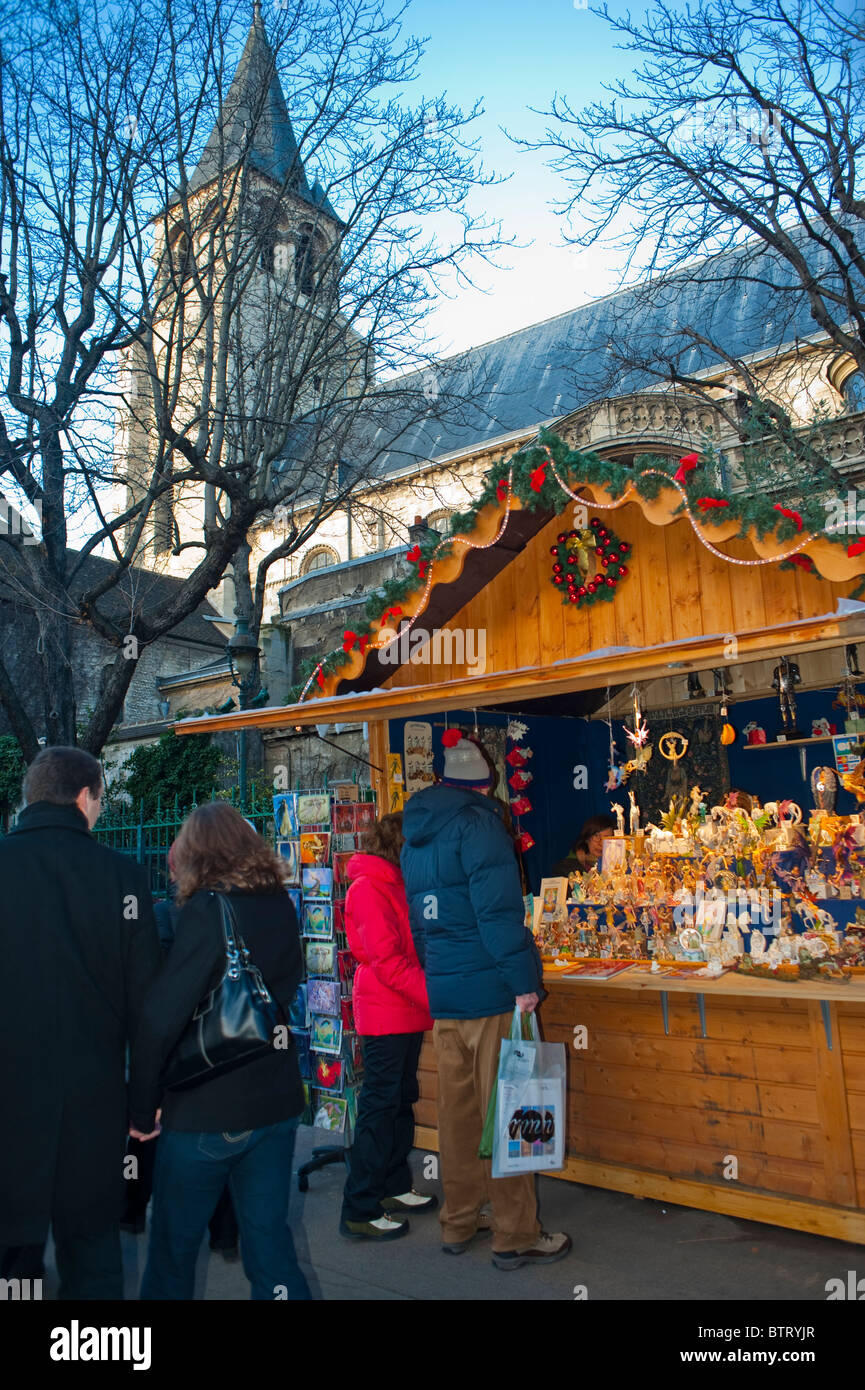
<point>323,997</point>
<point>317,882</point>
<point>325,1034</point>
<point>315,847</point>
<point>317,920</point>
<point>364,815</point>
<point>285,816</point>
<point>554,892</point>
<point>290,852</point>
<point>320,957</point>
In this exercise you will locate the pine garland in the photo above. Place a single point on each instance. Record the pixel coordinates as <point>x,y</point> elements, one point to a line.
<point>533,482</point>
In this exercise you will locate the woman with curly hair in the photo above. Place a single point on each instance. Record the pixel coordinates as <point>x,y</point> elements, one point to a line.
<point>392,1014</point>
<point>238,1127</point>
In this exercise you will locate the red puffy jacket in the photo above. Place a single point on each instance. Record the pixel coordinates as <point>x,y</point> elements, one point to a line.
<point>389,992</point>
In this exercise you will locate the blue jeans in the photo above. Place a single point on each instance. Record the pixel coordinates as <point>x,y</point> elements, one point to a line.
<point>191,1171</point>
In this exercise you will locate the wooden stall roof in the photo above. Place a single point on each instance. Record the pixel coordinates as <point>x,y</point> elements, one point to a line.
<point>682,606</point>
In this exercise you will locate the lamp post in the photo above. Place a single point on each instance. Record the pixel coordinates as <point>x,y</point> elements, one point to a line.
<point>243,655</point>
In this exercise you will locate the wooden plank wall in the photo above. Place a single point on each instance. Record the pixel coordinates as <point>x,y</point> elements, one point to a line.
<point>676,589</point>
<point>762,1087</point>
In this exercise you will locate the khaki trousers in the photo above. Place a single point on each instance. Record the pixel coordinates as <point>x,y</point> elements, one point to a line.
<point>467,1053</point>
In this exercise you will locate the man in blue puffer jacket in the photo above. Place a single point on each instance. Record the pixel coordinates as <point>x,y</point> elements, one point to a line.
<point>467,918</point>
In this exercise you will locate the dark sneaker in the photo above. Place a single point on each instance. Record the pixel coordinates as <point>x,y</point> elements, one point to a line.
<point>383,1228</point>
<point>411,1202</point>
<point>485,1225</point>
<point>545,1251</point>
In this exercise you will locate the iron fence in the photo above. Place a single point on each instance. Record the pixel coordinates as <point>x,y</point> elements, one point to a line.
<point>148,839</point>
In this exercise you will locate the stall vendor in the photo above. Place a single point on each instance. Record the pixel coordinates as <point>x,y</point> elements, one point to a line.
<point>586,853</point>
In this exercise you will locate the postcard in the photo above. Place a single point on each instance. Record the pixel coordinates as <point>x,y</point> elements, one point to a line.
<point>316,920</point>
<point>314,809</point>
<point>323,997</point>
<point>304,1057</point>
<point>329,1114</point>
<point>345,791</point>
<point>285,816</point>
<point>296,901</point>
<point>346,844</point>
<point>314,847</point>
<point>320,957</point>
<point>317,882</point>
<point>290,852</point>
<point>328,1073</point>
<point>297,1013</point>
<point>339,918</point>
<point>325,1034</point>
<point>347,1014</point>
<point>347,965</point>
<point>343,818</point>
<point>364,815</point>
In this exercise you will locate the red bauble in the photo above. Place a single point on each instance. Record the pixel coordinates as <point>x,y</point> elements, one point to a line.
<point>572,559</point>
<point>572,535</point>
<point>624,547</point>
<point>623,570</point>
<point>582,591</point>
<point>572,598</point>
<point>557,579</point>
<point>605,559</point>
<point>554,550</point>
<point>594,523</point>
<point>611,583</point>
<point>557,569</point>
<point>562,538</point>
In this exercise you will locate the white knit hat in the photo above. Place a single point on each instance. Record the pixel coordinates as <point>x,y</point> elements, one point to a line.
<point>465,764</point>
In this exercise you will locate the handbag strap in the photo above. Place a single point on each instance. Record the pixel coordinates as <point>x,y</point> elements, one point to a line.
<point>236,950</point>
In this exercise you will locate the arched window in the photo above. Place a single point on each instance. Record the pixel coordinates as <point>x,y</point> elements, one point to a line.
<point>319,559</point>
<point>439,520</point>
<point>181,256</point>
<point>853,392</point>
<point>307,256</point>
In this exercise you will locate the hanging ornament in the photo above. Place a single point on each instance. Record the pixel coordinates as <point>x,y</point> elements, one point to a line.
<point>728,733</point>
<point>518,757</point>
<point>517,731</point>
<point>673,746</point>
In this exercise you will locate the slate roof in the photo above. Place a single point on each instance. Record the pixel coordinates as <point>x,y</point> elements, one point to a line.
<point>255,97</point>
<point>138,588</point>
<point>745,300</point>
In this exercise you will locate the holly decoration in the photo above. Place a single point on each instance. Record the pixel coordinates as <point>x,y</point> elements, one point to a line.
<point>572,555</point>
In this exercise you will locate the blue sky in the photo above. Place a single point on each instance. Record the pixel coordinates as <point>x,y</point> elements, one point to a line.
<point>514,56</point>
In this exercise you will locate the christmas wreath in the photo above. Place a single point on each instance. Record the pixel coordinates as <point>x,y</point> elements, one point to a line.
<point>574,554</point>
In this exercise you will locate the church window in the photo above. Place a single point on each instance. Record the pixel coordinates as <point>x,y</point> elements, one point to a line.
<point>319,559</point>
<point>854,392</point>
<point>306,262</point>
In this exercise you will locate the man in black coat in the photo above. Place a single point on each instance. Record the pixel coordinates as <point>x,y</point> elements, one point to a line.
<point>79,950</point>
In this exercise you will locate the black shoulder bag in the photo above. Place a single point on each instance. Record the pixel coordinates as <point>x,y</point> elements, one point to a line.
<point>234,1023</point>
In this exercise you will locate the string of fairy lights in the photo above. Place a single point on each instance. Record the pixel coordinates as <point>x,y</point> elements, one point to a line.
<point>802,543</point>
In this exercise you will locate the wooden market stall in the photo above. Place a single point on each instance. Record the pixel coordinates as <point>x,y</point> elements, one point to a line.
<point>738,1095</point>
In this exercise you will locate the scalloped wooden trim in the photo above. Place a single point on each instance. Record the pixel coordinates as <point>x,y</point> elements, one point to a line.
<point>831,560</point>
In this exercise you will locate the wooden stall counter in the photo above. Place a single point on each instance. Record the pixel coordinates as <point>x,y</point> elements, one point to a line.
<point>736,1095</point>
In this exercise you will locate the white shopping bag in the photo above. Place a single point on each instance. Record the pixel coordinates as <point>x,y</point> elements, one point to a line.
<point>529,1134</point>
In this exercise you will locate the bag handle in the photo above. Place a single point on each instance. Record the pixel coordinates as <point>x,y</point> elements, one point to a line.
<point>522,1030</point>
<point>236,950</point>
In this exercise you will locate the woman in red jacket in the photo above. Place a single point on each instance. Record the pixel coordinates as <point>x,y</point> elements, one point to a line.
<point>392,1014</point>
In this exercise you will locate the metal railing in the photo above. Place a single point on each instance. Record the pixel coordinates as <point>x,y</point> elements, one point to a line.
<point>147,839</point>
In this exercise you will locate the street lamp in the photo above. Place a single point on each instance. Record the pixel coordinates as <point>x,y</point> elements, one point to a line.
<point>243,655</point>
